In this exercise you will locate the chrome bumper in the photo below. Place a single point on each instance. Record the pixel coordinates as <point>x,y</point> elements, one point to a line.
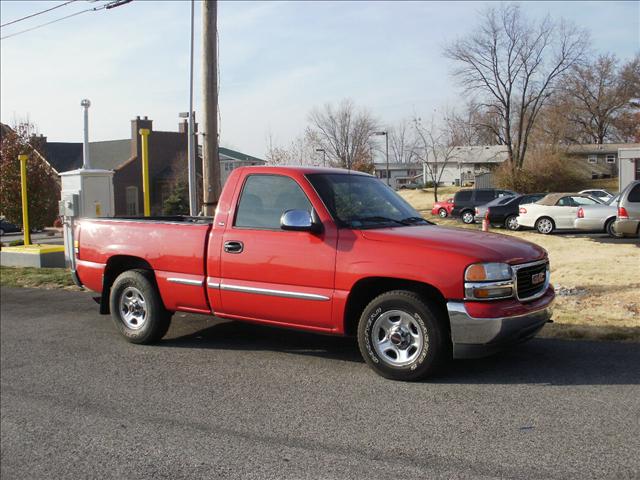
<point>478,337</point>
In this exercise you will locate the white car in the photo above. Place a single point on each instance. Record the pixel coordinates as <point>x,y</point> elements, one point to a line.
<point>556,211</point>
<point>598,217</point>
<point>598,194</point>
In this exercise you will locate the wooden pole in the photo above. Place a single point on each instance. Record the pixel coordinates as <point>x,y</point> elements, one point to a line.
<point>210,160</point>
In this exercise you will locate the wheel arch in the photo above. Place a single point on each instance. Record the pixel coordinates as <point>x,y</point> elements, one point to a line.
<point>114,267</point>
<point>366,289</point>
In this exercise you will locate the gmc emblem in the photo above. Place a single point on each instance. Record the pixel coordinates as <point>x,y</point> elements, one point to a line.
<point>537,278</point>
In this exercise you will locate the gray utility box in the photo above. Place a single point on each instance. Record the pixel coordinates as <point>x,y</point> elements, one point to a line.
<point>94,189</point>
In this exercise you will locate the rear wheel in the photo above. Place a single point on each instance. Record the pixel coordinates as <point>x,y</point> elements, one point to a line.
<point>545,225</point>
<point>442,213</point>
<point>511,223</point>
<point>608,227</point>
<point>401,338</point>
<point>467,216</point>
<point>137,309</point>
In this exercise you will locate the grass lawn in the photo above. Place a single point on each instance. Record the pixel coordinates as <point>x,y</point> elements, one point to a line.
<point>36,278</point>
<point>597,278</point>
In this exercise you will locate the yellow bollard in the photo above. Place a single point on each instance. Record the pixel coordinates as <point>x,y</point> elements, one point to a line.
<point>144,133</point>
<point>25,205</point>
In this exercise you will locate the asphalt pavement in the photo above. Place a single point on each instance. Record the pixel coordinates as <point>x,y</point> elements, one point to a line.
<point>220,399</point>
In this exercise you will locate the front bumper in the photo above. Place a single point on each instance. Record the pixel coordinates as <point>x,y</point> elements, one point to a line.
<point>626,227</point>
<point>478,337</point>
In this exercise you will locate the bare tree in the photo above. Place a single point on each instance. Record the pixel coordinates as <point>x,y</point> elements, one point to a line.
<point>600,91</point>
<point>473,126</point>
<point>434,150</point>
<point>300,151</point>
<point>344,132</point>
<point>514,65</point>
<point>402,142</point>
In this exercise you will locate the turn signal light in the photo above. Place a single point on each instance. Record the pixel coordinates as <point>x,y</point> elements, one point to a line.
<point>622,213</point>
<point>580,212</point>
<point>523,210</point>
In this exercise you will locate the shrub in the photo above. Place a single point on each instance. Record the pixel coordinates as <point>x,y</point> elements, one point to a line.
<point>544,171</point>
<point>16,243</point>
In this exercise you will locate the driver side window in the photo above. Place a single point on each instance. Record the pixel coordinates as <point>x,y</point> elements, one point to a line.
<point>265,198</point>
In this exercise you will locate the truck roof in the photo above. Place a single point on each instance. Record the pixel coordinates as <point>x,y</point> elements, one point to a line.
<point>299,169</point>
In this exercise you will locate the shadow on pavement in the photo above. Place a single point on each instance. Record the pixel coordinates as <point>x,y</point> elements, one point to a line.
<point>540,361</point>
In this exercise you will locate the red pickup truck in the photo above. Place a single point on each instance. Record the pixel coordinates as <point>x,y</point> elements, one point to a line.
<point>327,251</point>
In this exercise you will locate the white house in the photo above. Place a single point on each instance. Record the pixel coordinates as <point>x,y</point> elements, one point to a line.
<point>629,168</point>
<point>462,166</point>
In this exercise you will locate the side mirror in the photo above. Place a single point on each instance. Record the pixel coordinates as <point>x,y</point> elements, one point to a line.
<point>299,221</point>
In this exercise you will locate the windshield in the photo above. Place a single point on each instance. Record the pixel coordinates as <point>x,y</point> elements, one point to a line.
<point>361,201</point>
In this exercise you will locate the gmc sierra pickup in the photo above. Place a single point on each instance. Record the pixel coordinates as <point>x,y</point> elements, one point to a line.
<point>323,250</point>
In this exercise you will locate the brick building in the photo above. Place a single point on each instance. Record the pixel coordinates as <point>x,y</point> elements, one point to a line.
<point>168,164</point>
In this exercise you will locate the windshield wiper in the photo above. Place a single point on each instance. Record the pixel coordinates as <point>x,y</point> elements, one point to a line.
<point>413,220</point>
<point>378,219</point>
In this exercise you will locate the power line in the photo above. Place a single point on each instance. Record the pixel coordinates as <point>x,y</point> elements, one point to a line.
<point>37,13</point>
<point>113,4</point>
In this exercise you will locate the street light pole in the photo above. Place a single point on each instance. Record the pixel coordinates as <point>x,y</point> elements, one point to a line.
<point>191,148</point>
<point>386,138</point>
<point>324,156</point>
<point>85,104</point>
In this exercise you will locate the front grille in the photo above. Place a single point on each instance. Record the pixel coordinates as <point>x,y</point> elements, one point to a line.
<point>524,276</point>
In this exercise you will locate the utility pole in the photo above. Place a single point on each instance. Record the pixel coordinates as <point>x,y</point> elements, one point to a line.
<point>85,104</point>
<point>210,161</point>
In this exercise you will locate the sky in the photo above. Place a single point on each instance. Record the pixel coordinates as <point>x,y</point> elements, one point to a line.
<point>278,60</point>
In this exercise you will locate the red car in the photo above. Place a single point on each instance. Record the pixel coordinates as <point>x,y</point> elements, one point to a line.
<point>442,208</point>
<point>322,250</point>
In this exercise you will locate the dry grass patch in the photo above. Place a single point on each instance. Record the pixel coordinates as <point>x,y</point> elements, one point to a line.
<point>28,277</point>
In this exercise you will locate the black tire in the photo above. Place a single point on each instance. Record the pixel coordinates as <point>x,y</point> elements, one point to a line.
<point>141,322</point>
<point>511,223</point>
<point>542,225</point>
<point>442,213</point>
<point>608,227</point>
<point>467,217</point>
<point>378,345</point>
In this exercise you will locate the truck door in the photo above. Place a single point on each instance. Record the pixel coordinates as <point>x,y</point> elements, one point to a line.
<point>269,274</point>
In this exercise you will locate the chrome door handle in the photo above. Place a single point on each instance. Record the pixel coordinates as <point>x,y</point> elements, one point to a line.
<point>233,246</point>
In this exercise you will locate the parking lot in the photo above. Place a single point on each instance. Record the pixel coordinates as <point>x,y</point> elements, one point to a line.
<point>232,400</point>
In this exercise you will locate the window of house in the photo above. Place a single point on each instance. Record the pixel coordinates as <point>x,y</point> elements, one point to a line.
<point>593,159</point>
<point>383,173</point>
<point>132,200</point>
<point>265,198</point>
<point>611,158</point>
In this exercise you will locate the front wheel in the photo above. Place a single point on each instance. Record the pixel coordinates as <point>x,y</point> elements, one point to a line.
<point>545,225</point>
<point>442,213</point>
<point>137,309</point>
<point>467,216</point>
<point>401,338</point>
<point>511,223</point>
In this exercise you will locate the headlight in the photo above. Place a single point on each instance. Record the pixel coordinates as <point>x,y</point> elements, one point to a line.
<point>488,281</point>
<point>487,272</point>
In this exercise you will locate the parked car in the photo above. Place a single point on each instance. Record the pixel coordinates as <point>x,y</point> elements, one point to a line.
<point>410,186</point>
<point>556,211</point>
<point>628,219</point>
<point>326,251</point>
<point>506,213</point>
<point>7,227</point>
<point>466,201</point>
<point>598,217</point>
<point>442,208</point>
<point>599,194</point>
<point>481,211</point>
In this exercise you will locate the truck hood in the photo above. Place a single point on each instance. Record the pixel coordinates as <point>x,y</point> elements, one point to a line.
<point>478,246</point>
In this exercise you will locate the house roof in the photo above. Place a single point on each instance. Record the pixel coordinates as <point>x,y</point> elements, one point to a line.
<point>107,155</point>
<point>602,149</point>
